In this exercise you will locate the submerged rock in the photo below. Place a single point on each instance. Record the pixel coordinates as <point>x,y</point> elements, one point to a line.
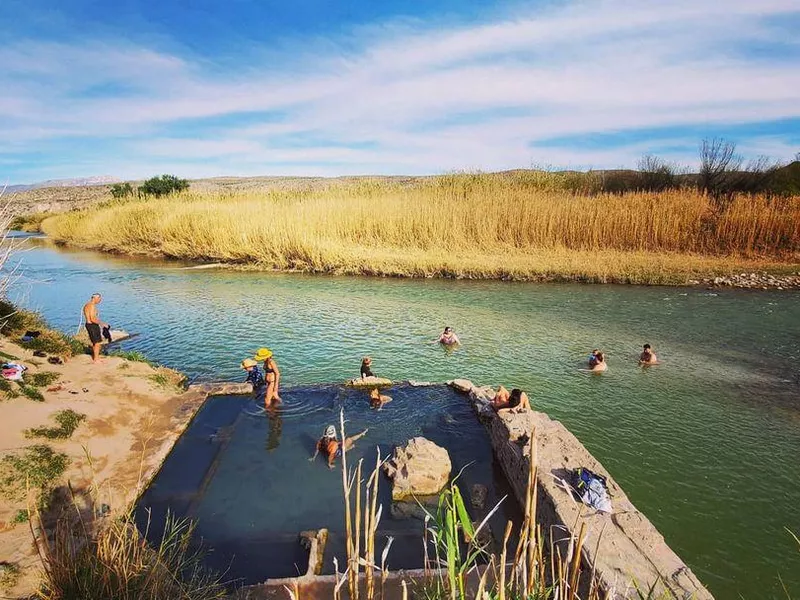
<point>420,469</point>
<point>477,495</point>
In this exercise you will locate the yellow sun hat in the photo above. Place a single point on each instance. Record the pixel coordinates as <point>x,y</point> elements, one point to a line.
<point>263,354</point>
<point>248,362</point>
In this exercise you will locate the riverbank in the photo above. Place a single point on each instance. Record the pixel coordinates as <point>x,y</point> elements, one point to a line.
<point>79,435</point>
<point>494,226</point>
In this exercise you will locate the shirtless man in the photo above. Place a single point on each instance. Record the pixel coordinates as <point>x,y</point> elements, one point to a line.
<point>648,357</point>
<point>94,326</point>
<point>330,446</point>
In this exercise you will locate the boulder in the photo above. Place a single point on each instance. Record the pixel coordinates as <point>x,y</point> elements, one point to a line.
<point>420,469</point>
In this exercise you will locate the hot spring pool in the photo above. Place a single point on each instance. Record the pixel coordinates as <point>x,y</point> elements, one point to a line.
<point>244,475</point>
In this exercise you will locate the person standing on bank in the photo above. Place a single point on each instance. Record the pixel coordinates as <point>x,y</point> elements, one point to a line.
<point>94,326</point>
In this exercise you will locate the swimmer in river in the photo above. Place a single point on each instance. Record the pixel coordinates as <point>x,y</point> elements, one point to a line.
<point>599,362</point>
<point>448,338</point>
<point>505,400</point>
<point>377,400</point>
<point>648,357</point>
<point>330,447</point>
<point>593,358</point>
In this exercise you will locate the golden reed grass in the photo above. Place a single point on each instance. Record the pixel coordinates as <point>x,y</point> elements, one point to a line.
<point>482,226</point>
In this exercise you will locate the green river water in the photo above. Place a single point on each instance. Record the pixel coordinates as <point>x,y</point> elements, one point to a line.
<point>706,444</point>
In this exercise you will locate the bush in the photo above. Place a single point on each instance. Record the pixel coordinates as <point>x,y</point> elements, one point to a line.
<point>68,421</point>
<point>163,185</point>
<point>121,190</point>
<point>14,322</point>
<point>42,379</point>
<point>119,563</point>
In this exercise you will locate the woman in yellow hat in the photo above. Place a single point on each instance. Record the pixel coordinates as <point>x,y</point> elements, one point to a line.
<point>272,374</point>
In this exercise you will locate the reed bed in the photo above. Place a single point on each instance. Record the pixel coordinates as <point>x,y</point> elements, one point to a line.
<point>481,226</point>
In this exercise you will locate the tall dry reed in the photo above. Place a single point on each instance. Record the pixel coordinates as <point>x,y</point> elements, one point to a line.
<point>468,222</point>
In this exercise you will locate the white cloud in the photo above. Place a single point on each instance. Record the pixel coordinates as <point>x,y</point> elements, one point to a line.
<point>425,98</point>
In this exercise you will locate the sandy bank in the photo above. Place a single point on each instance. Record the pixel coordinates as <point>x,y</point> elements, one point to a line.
<point>134,412</point>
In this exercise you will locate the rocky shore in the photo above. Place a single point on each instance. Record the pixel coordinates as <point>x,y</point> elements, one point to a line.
<point>760,280</point>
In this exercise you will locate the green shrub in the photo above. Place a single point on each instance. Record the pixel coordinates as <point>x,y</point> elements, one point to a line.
<point>121,190</point>
<point>21,516</point>
<point>38,466</point>
<point>9,575</point>
<point>68,421</point>
<point>163,185</point>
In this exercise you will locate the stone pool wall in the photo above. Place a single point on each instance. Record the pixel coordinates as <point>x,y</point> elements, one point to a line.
<point>623,547</point>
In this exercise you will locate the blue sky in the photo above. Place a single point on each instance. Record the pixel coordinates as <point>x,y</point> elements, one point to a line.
<point>203,88</point>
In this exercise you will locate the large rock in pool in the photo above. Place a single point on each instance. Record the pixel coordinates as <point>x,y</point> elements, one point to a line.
<point>420,469</point>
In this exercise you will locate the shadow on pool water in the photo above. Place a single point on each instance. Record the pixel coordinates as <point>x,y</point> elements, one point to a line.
<point>245,477</point>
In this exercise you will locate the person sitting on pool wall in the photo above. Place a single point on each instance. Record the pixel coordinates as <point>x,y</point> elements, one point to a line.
<point>254,377</point>
<point>648,357</point>
<point>516,399</point>
<point>377,400</point>
<point>448,338</point>
<point>330,447</point>
<point>366,371</point>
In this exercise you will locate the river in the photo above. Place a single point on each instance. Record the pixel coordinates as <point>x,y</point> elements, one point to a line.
<point>706,444</point>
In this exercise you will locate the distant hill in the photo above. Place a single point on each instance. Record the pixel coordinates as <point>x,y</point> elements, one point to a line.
<point>56,183</point>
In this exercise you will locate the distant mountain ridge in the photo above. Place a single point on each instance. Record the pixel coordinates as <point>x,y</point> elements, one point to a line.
<point>76,182</point>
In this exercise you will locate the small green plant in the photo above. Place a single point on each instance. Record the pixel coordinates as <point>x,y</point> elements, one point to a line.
<point>21,516</point>
<point>132,356</point>
<point>68,421</point>
<point>30,223</point>
<point>160,379</point>
<point>42,379</point>
<point>9,389</point>
<point>37,467</point>
<point>31,393</point>
<point>9,575</point>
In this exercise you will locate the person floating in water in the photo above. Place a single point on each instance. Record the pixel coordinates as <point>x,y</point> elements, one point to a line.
<point>94,326</point>
<point>366,367</point>
<point>272,375</point>
<point>330,447</point>
<point>254,377</point>
<point>597,362</point>
<point>516,399</point>
<point>377,400</point>
<point>648,357</point>
<point>448,338</point>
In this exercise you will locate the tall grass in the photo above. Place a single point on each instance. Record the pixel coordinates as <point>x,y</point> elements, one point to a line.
<point>476,224</point>
<point>536,570</point>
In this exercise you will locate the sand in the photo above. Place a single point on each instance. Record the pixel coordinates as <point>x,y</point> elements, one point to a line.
<point>131,424</point>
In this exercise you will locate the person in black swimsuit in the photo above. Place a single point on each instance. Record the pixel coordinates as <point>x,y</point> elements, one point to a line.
<point>272,375</point>
<point>366,371</point>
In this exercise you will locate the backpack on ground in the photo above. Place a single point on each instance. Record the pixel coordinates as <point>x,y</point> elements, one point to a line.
<point>592,489</point>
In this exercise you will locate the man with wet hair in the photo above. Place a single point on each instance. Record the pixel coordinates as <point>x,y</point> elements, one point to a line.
<point>94,326</point>
<point>648,357</point>
<point>331,448</point>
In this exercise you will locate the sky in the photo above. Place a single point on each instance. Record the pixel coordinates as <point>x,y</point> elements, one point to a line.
<point>203,88</point>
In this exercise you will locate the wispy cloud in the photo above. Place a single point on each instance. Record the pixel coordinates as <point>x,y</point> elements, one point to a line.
<point>420,98</point>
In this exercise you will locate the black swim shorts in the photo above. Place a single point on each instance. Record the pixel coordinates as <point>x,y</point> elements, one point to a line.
<point>95,335</point>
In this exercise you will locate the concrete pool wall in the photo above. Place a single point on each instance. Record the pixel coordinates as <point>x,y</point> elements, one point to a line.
<point>623,547</point>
